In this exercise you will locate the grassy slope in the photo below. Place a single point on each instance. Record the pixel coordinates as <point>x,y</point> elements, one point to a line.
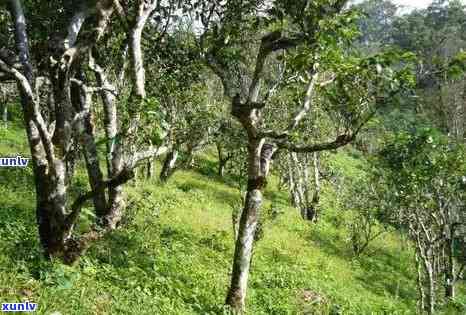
<point>172,255</point>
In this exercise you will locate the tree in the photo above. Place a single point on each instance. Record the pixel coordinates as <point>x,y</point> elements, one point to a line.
<point>302,175</point>
<point>179,98</point>
<point>364,201</point>
<point>436,36</point>
<point>229,142</point>
<point>376,26</point>
<point>240,43</point>
<point>56,89</point>
<point>425,176</point>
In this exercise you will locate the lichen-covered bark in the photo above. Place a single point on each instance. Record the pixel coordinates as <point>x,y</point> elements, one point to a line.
<point>246,231</point>
<point>169,165</point>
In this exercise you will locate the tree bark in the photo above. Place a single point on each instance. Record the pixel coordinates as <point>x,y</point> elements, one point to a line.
<point>450,272</point>
<point>221,167</point>
<point>150,169</point>
<point>48,179</point>
<point>430,305</point>
<point>5,114</point>
<point>311,213</point>
<point>84,131</point>
<point>113,213</point>
<point>259,159</point>
<point>247,229</point>
<point>169,164</point>
<point>420,284</point>
<point>222,160</point>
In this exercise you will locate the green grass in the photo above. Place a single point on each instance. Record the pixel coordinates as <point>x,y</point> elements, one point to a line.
<point>172,255</point>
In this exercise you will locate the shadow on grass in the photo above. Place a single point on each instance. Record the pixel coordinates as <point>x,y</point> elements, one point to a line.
<point>219,195</point>
<point>209,168</point>
<point>278,198</point>
<point>17,179</point>
<point>328,243</point>
<point>384,271</point>
<point>163,266</point>
<point>19,238</point>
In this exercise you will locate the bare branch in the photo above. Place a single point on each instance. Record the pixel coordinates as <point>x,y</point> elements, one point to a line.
<point>141,156</point>
<point>26,88</point>
<point>299,115</point>
<point>340,141</point>
<point>19,77</point>
<point>124,176</point>
<point>270,43</point>
<point>75,26</point>
<point>306,105</point>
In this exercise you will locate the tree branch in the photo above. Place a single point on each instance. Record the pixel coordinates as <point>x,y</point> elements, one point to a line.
<point>141,156</point>
<point>299,115</point>
<point>307,103</point>
<point>124,176</point>
<point>75,26</point>
<point>269,43</point>
<point>340,141</point>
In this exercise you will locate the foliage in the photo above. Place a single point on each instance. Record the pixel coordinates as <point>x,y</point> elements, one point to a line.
<point>173,256</point>
<point>364,70</point>
<point>425,186</point>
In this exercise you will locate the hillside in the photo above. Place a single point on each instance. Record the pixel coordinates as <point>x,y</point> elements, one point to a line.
<point>172,255</point>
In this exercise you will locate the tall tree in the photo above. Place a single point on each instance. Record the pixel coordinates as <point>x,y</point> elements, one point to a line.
<point>426,192</point>
<point>242,42</point>
<point>56,87</point>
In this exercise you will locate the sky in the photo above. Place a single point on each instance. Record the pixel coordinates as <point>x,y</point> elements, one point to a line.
<point>411,4</point>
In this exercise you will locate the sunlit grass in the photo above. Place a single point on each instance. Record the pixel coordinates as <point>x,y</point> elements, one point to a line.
<point>172,256</point>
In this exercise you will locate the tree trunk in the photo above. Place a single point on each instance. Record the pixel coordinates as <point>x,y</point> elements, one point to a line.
<point>222,160</point>
<point>116,205</point>
<point>190,156</point>
<point>149,169</point>
<point>450,272</point>
<point>316,197</point>
<point>168,167</point>
<point>221,167</point>
<point>243,249</point>
<point>430,306</point>
<point>420,284</point>
<point>259,156</point>
<point>3,100</point>
<point>50,222</point>
<point>113,213</point>
<point>84,131</point>
<point>5,114</point>
<point>49,173</point>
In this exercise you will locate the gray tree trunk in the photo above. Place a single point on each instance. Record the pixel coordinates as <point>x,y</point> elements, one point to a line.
<point>169,165</point>
<point>246,231</point>
<point>111,216</point>
<point>259,158</point>
<point>222,160</point>
<point>149,169</point>
<point>450,272</point>
<point>420,284</point>
<point>430,305</point>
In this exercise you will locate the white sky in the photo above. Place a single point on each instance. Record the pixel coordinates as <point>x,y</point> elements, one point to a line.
<point>413,3</point>
<point>409,5</point>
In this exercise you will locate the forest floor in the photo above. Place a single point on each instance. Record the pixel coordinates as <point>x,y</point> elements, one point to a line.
<point>173,252</point>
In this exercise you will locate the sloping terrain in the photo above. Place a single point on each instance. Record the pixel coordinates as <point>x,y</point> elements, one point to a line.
<point>172,254</point>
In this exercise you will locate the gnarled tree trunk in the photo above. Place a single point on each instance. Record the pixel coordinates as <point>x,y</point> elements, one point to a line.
<point>247,228</point>
<point>169,165</point>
